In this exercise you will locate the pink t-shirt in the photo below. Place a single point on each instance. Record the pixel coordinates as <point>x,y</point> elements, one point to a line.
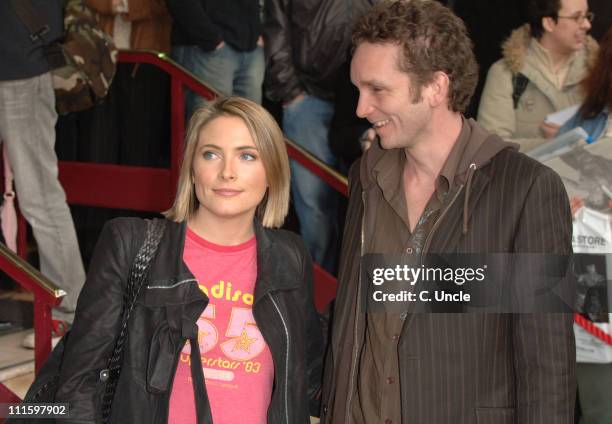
<point>237,362</point>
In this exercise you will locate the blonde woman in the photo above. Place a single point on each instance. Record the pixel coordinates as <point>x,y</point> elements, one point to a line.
<point>220,266</point>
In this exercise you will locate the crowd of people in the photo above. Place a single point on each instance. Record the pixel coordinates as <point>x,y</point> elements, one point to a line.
<point>224,328</point>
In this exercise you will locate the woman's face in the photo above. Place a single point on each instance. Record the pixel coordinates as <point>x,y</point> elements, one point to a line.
<point>229,176</point>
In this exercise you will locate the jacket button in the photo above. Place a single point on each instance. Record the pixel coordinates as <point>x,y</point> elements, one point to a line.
<point>325,409</point>
<point>390,380</point>
<point>409,250</point>
<point>104,374</point>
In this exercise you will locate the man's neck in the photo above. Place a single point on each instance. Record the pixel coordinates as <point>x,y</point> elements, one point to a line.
<point>559,57</point>
<point>425,159</point>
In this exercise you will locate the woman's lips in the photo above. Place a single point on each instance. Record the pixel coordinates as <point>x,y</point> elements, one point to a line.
<point>227,192</point>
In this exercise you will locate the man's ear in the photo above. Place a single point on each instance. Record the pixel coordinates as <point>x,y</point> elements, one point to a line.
<point>437,89</point>
<point>548,23</point>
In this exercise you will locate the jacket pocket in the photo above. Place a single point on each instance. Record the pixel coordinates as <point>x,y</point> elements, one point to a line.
<point>495,415</point>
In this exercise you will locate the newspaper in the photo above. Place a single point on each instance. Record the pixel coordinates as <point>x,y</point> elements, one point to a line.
<point>586,172</point>
<point>559,145</point>
<point>562,116</point>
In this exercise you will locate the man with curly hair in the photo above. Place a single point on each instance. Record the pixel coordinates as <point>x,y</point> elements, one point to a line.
<point>437,182</point>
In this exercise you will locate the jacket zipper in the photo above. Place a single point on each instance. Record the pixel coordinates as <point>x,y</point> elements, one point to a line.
<point>286,359</point>
<point>437,223</point>
<point>426,247</point>
<point>355,345</point>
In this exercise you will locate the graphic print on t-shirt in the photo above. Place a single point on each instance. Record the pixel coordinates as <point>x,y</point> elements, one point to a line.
<point>236,360</point>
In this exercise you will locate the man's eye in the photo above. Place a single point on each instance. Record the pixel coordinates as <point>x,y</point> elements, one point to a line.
<point>208,155</point>
<point>248,156</point>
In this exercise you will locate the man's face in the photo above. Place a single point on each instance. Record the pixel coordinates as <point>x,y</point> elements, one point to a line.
<point>385,96</point>
<point>568,35</point>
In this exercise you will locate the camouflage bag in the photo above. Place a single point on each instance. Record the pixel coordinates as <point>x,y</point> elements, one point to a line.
<point>90,61</point>
<point>83,63</point>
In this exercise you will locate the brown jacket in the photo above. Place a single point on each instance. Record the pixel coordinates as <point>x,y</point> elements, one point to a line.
<point>463,368</point>
<point>151,23</point>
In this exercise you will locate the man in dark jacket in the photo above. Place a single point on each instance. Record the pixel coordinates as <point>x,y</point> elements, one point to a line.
<point>27,128</point>
<point>439,183</point>
<point>221,43</point>
<point>306,43</point>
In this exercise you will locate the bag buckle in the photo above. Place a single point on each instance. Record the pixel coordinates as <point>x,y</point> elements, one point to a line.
<point>38,34</point>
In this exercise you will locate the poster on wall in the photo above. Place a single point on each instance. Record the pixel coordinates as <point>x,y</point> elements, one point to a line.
<point>586,172</point>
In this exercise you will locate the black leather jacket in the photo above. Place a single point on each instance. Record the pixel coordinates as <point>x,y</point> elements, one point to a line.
<point>165,316</point>
<point>306,42</point>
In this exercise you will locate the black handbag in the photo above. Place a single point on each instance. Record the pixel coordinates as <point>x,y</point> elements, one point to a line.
<point>45,385</point>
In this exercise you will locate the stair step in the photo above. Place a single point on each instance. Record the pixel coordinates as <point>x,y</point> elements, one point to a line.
<point>12,354</point>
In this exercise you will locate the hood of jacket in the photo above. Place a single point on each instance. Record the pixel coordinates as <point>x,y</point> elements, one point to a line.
<point>514,49</point>
<point>379,165</point>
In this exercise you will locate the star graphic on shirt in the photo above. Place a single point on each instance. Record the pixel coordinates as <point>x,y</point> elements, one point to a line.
<point>202,337</point>
<point>243,342</point>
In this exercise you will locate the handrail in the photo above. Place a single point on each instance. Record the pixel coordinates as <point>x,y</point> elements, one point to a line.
<point>29,277</point>
<point>155,188</point>
<point>317,167</point>
<point>201,86</point>
<point>46,295</point>
<point>163,61</point>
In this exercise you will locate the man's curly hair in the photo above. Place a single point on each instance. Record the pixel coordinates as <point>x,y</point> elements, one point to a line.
<point>432,39</point>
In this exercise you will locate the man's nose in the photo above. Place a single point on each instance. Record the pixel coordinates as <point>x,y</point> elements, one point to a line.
<point>363,106</point>
<point>586,24</point>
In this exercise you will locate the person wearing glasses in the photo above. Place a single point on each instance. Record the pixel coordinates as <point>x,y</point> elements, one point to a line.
<point>540,72</point>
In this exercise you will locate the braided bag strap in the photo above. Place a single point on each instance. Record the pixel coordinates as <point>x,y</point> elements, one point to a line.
<point>136,279</point>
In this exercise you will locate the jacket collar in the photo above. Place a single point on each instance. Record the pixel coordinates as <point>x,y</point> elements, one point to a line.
<point>274,271</point>
<point>382,170</point>
<point>515,48</point>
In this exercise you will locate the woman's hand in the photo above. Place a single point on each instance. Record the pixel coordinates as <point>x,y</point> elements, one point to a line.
<point>549,130</point>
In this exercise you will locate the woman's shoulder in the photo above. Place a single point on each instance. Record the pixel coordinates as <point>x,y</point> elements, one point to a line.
<point>129,232</point>
<point>124,224</point>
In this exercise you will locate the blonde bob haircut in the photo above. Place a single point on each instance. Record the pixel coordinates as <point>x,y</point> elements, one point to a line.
<point>270,144</point>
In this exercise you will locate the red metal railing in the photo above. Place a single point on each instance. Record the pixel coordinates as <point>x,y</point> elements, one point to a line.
<point>152,189</point>
<point>148,189</point>
<point>46,295</point>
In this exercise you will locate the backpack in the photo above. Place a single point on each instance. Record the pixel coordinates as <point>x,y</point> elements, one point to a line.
<point>83,63</point>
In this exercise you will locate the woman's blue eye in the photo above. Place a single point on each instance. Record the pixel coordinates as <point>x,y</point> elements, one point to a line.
<point>248,156</point>
<point>209,155</point>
